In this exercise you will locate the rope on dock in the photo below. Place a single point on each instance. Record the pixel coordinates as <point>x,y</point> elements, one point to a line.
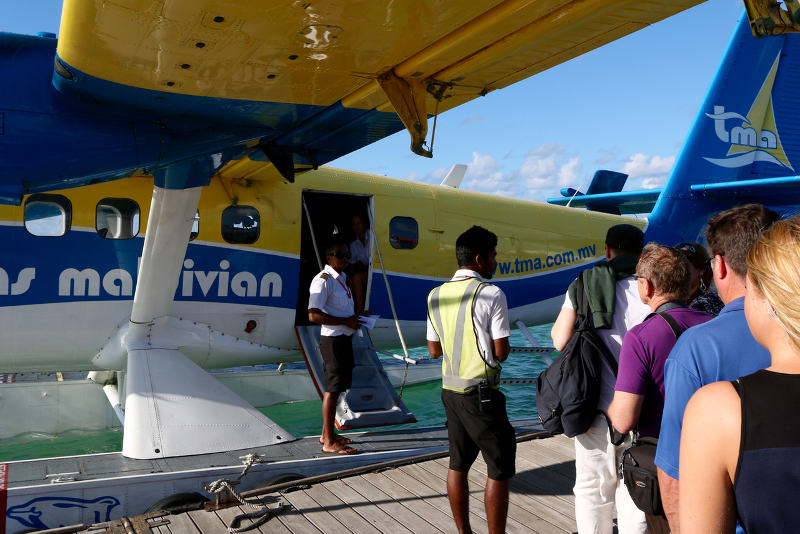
<point>261,513</point>
<point>274,488</point>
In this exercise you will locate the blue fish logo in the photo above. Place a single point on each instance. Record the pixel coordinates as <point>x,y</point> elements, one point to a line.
<point>31,513</point>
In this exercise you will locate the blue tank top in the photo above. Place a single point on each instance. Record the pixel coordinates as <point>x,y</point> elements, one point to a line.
<point>767,481</point>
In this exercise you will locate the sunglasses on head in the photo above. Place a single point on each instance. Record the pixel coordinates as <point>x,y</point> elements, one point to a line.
<point>340,255</point>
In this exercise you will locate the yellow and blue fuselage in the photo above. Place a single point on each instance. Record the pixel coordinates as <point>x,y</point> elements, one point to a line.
<point>79,287</point>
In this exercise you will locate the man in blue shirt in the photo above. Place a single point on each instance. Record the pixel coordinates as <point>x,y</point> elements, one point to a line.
<point>721,349</point>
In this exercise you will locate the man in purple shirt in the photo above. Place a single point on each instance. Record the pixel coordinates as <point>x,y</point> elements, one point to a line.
<point>663,279</point>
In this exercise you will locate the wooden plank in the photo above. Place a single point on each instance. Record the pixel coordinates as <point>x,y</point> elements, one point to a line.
<point>207,522</point>
<point>561,445</point>
<point>533,503</point>
<point>273,524</point>
<point>528,482</point>
<point>567,445</point>
<point>556,511</point>
<point>294,520</point>
<point>561,475</point>
<point>538,449</point>
<point>377,507</point>
<point>433,517</point>
<point>182,524</point>
<point>434,498</point>
<point>549,457</point>
<point>428,477</point>
<point>227,516</point>
<point>517,514</point>
<point>545,479</point>
<point>314,513</point>
<point>345,514</point>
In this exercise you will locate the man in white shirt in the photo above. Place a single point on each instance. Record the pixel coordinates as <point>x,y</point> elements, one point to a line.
<point>330,303</point>
<point>473,345</point>
<point>612,288</point>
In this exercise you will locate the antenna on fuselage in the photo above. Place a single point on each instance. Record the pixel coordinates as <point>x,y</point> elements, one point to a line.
<point>454,177</point>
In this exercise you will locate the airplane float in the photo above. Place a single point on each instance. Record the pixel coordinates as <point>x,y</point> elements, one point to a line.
<point>161,163</point>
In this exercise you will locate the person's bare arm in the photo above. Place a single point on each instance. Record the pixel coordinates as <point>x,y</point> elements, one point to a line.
<point>563,328</point>
<point>669,499</point>
<point>709,452</point>
<point>501,349</point>
<point>315,315</point>
<point>434,349</point>
<point>624,410</point>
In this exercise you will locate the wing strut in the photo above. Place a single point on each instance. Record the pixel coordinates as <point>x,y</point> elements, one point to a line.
<point>172,406</point>
<point>408,99</point>
<point>768,17</point>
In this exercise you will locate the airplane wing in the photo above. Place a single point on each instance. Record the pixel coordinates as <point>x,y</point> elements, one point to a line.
<point>315,81</point>
<point>623,202</point>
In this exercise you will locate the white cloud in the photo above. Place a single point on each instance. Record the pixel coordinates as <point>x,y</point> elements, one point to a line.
<point>484,174</point>
<point>569,173</point>
<point>546,169</point>
<point>654,183</point>
<point>435,176</point>
<point>483,165</point>
<point>543,171</point>
<point>644,166</point>
<point>647,172</point>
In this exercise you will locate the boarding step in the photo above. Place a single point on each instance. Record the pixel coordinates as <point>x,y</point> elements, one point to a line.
<point>371,400</point>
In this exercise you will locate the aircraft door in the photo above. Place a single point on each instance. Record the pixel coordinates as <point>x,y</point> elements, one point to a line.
<point>328,216</point>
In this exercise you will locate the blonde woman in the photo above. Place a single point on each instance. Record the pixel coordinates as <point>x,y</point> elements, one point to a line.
<point>740,450</point>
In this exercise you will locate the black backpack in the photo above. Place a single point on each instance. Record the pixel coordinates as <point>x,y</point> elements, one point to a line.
<point>568,390</point>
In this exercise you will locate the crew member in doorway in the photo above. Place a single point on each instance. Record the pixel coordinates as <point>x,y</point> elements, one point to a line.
<point>468,323</point>
<point>330,303</point>
<point>360,250</point>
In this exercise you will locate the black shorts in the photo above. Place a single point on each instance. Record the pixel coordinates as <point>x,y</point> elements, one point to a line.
<point>470,430</point>
<point>337,362</point>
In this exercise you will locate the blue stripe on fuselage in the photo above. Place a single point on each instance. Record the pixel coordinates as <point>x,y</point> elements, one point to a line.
<point>83,267</point>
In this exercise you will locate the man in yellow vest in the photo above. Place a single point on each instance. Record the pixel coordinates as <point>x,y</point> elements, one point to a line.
<point>468,324</point>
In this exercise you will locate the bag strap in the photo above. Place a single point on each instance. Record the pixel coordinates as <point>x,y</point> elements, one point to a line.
<point>582,304</point>
<point>677,329</point>
<point>586,323</point>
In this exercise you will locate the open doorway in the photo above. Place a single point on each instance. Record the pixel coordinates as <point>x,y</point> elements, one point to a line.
<point>325,216</point>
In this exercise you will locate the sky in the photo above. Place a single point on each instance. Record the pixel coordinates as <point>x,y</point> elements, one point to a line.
<point>627,107</point>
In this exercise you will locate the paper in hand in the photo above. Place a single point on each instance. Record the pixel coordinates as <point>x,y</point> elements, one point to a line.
<point>368,321</point>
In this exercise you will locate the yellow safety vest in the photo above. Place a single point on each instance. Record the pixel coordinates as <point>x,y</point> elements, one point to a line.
<point>450,311</point>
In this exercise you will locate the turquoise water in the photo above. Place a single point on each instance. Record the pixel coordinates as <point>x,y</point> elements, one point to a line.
<point>303,418</point>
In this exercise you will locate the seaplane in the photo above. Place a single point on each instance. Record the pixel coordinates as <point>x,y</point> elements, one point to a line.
<point>162,166</point>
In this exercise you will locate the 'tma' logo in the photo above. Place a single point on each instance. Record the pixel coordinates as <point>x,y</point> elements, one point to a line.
<point>753,137</point>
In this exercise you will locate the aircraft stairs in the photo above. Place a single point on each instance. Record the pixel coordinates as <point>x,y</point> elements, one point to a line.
<point>371,400</point>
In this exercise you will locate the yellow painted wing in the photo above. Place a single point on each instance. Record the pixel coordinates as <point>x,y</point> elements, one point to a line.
<point>294,65</point>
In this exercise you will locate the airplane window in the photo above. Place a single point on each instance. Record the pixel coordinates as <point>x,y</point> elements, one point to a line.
<point>241,224</point>
<point>117,218</point>
<point>403,232</point>
<point>48,215</point>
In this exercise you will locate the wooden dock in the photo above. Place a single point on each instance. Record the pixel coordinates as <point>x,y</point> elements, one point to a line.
<point>408,498</point>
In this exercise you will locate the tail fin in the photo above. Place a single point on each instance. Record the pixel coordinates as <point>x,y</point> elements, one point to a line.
<point>745,142</point>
